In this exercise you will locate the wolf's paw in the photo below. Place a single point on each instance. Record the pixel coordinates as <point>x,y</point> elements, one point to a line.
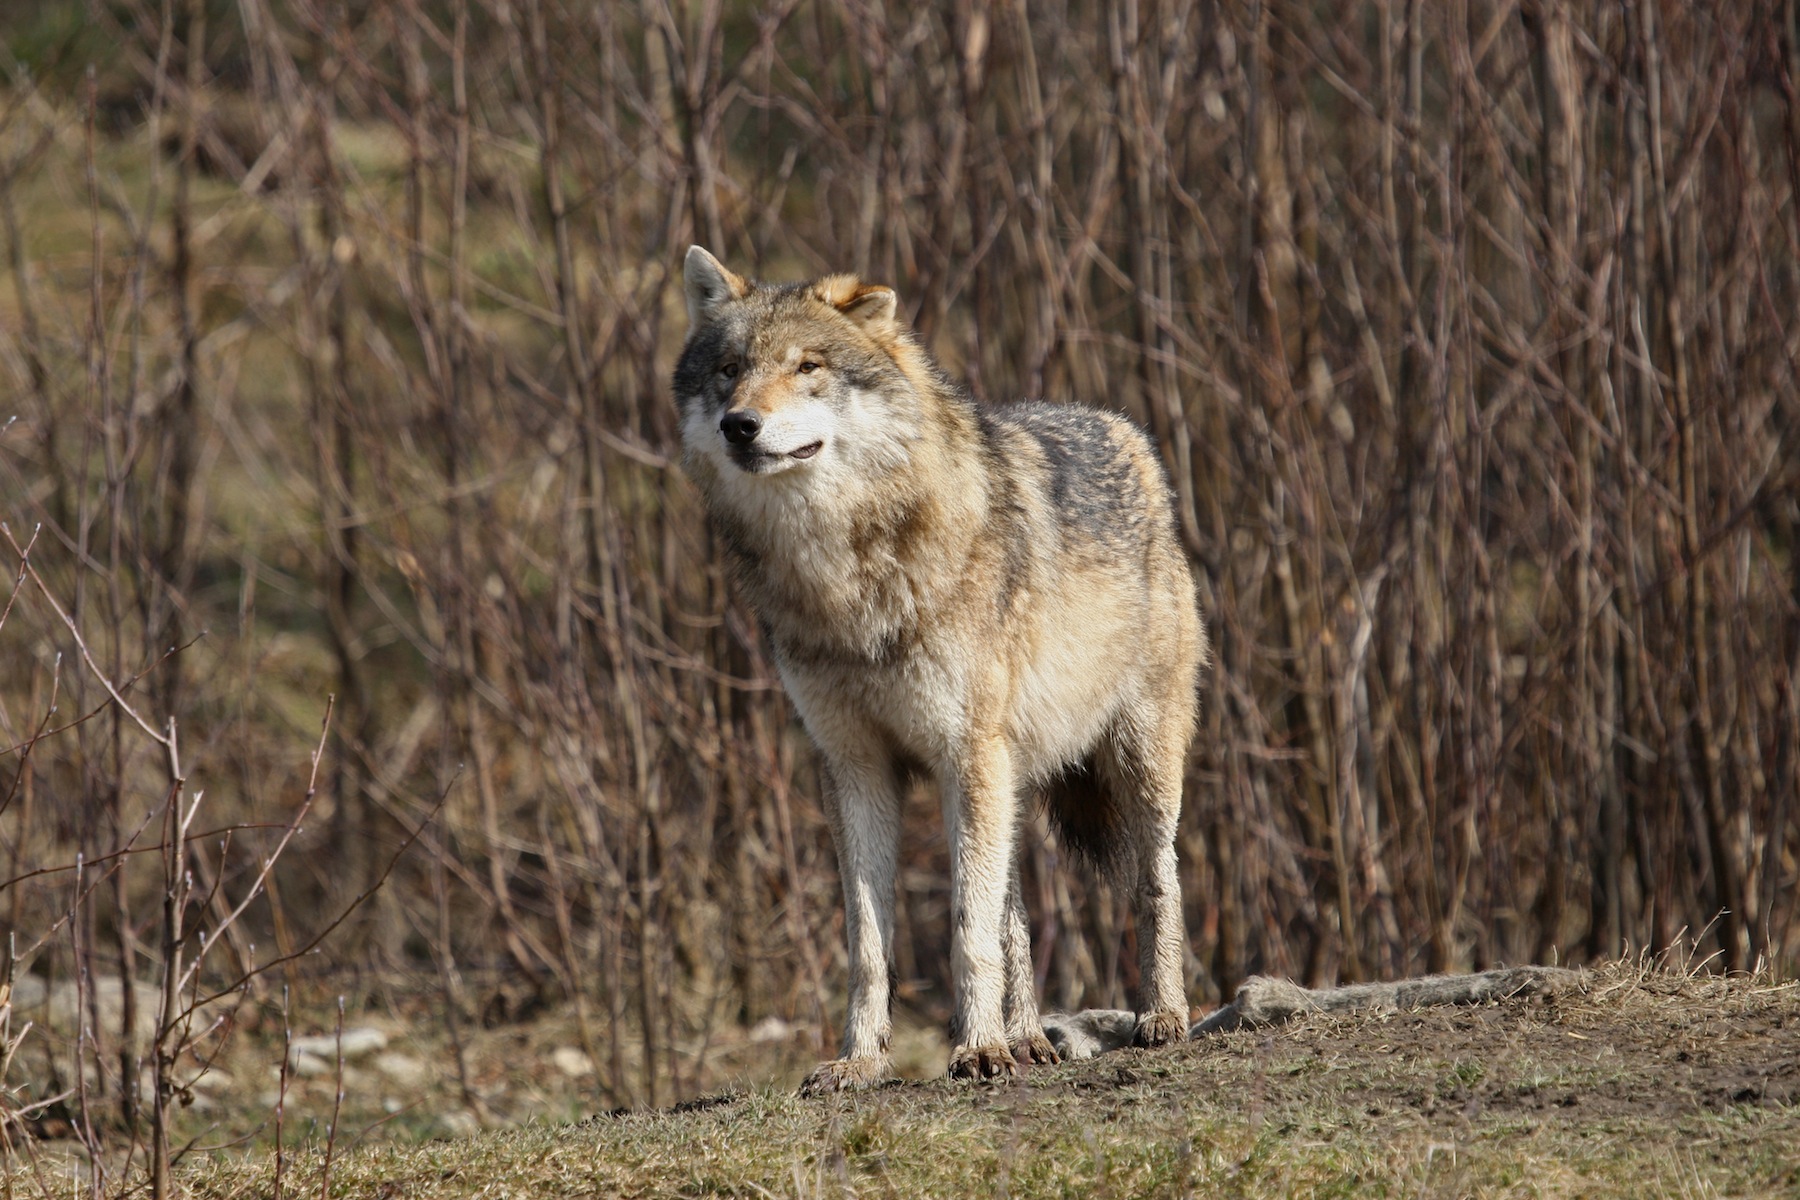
<point>1034,1047</point>
<point>845,1075</point>
<point>983,1062</point>
<point>1159,1029</point>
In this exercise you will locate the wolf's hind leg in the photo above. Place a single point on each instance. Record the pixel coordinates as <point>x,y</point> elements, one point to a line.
<point>1145,774</point>
<point>1024,1028</point>
<point>1162,1008</point>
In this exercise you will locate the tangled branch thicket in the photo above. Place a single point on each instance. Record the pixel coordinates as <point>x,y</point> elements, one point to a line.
<point>338,334</point>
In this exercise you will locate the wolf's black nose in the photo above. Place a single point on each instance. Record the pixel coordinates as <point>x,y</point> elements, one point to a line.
<point>740,427</point>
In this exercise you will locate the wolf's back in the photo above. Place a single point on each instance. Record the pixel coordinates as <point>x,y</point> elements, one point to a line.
<point>1099,472</point>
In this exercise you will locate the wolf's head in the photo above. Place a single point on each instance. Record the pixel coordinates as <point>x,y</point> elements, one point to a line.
<point>816,382</point>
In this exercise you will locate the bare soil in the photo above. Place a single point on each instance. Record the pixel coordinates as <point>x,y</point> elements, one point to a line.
<point>1657,1050</point>
<point>1639,1084</point>
<point>1635,1083</point>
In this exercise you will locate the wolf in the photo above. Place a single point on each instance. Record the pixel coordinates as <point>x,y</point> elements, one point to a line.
<point>991,596</point>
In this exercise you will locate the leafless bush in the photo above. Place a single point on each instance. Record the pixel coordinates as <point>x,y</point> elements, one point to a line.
<point>1469,332</point>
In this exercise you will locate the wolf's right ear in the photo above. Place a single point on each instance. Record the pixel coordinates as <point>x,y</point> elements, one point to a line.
<point>709,284</point>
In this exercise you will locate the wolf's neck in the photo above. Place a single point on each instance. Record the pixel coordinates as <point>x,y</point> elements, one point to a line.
<point>854,573</point>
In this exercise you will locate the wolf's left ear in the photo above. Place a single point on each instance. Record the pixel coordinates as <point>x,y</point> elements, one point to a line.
<point>709,284</point>
<point>872,307</point>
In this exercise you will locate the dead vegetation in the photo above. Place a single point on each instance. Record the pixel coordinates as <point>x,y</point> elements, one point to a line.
<point>334,342</point>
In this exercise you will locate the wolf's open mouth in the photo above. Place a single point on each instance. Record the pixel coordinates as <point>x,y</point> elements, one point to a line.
<point>807,451</point>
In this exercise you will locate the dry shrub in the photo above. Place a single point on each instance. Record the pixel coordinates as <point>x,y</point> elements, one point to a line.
<point>1469,333</point>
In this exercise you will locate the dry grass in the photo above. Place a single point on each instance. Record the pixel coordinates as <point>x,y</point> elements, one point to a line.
<point>1650,1084</point>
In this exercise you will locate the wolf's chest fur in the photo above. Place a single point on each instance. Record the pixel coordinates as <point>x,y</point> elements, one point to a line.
<point>833,571</point>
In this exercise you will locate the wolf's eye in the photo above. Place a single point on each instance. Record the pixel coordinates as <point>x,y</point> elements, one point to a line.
<point>807,368</point>
<point>729,370</point>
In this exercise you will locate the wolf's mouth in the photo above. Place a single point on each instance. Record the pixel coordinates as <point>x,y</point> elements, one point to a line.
<point>760,462</point>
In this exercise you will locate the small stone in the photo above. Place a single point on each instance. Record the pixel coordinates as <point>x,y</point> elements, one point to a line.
<point>572,1062</point>
<point>28,991</point>
<point>311,1064</point>
<point>64,1006</point>
<point>403,1069</point>
<point>213,1080</point>
<point>356,1042</point>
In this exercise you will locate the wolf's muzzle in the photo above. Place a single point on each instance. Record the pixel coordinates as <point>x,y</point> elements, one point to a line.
<point>740,426</point>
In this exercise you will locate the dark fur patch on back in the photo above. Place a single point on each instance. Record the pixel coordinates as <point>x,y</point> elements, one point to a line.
<point>1094,483</point>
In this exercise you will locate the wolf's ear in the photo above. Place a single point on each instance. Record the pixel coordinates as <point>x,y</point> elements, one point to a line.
<point>872,307</point>
<point>709,284</point>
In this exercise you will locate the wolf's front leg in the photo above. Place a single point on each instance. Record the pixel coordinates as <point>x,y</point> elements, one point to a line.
<point>863,804</point>
<point>1024,1028</point>
<point>980,815</point>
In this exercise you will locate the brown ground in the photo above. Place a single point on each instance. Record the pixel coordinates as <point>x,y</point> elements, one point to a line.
<point>1637,1084</point>
<point>1655,1047</point>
